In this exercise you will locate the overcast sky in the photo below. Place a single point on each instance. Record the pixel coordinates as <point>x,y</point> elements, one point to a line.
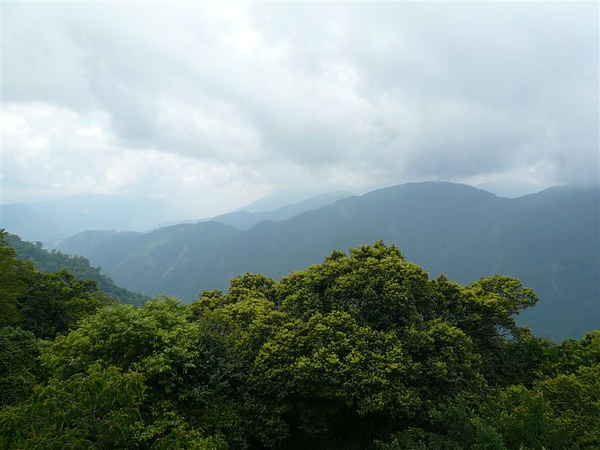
<point>213,105</point>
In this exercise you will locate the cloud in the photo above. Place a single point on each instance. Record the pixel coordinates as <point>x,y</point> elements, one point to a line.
<point>178,100</point>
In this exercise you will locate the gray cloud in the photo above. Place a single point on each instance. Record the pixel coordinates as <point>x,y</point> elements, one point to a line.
<point>253,97</point>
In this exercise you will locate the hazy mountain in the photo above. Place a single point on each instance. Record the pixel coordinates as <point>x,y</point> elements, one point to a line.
<point>283,198</point>
<point>548,240</point>
<point>52,220</point>
<point>246,219</point>
<point>175,260</point>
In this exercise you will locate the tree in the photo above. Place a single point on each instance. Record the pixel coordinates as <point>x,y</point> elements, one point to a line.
<point>190,365</point>
<point>515,418</point>
<point>43,303</point>
<point>19,370</point>
<point>574,403</point>
<point>12,286</point>
<point>96,409</point>
<point>445,341</point>
<point>485,310</point>
<point>375,284</point>
<point>329,382</point>
<point>54,303</point>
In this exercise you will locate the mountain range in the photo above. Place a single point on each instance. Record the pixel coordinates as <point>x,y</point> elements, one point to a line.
<point>549,240</point>
<point>49,221</point>
<point>253,214</point>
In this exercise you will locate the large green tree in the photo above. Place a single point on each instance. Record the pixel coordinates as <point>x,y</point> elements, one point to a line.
<point>349,350</point>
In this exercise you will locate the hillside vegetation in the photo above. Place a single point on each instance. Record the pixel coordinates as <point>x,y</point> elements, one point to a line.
<point>549,240</point>
<point>78,266</point>
<point>363,351</point>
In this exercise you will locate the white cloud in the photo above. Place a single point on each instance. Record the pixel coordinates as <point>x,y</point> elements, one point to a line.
<point>50,151</point>
<point>202,101</point>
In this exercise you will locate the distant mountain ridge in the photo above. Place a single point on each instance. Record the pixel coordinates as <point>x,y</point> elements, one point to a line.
<point>549,240</point>
<point>246,219</point>
<point>287,197</point>
<point>52,220</point>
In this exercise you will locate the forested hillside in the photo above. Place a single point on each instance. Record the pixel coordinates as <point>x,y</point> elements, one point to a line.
<point>363,351</point>
<point>42,303</point>
<point>78,266</point>
<point>549,240</point>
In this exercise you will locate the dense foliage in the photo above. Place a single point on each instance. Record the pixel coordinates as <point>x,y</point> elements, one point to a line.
<point>363,351</point>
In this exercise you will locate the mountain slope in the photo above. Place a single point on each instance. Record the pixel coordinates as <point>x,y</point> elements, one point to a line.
<point>78,266</point>
<point>549,240</point>
<point>180,260</point>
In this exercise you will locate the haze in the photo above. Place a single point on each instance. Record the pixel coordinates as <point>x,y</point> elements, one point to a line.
<point>212,105</point>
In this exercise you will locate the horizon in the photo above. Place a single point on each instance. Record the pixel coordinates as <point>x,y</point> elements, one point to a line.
<point>281,198</point>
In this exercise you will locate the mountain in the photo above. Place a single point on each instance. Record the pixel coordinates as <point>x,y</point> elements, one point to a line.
<point>285,197</point>
<point>246,219</point>
<point>53,220</point>
<point>175,260</point>
<point>78,266</point>
<point>549,240</point>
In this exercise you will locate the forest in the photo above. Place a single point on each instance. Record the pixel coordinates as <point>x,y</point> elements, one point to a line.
<point>362,351</point>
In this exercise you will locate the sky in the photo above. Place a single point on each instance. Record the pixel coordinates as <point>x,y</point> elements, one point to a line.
<point>211,106</point>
